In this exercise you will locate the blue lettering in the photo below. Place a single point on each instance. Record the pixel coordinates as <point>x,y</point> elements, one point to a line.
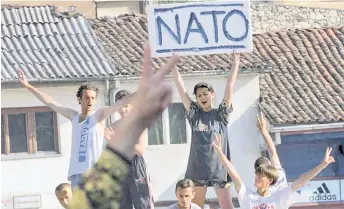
<point>160,22</point>
<point>199,29</point>
<point>83,141</point>
<point>214,13</point>
<point>157,10</point>
<point>224,24</point>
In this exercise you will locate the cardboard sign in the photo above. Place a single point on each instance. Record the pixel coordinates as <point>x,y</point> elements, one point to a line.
<point>319,191</point>
<point>26,202</point>
<point>199,28</point>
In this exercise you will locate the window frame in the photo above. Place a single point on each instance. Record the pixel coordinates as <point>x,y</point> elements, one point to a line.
<point>166,130</point>
<point>30,130</point>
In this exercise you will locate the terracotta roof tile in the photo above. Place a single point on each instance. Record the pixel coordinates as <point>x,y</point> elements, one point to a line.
<point>306,84</point>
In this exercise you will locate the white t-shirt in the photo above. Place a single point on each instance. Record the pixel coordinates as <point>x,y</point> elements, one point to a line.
<point>87,144</point>
<point>281,181</point>
<point>281,199</point>
<point>175,206</point>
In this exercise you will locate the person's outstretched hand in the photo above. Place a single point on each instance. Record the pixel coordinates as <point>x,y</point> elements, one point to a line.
<point>217,143</point>
<point>21,78</point>
<point>109,133</point>
<point>153,96</point>
<point>236,58</point>
<point>261,123</point>
<point>328,159</point>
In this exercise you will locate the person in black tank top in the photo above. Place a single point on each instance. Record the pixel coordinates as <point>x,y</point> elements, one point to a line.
<point>136,190</point>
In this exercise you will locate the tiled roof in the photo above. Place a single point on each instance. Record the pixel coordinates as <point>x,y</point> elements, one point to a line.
<point>306,84</point>
<point>123,38</point>
<point>49,45</point>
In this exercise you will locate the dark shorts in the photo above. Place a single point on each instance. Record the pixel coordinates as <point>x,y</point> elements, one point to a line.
<point>135,189</point>
<point>212,183</point>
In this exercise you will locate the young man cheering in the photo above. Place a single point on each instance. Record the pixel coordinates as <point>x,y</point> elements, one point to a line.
<point>87,125</point>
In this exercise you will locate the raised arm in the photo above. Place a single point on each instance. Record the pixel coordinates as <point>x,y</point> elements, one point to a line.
<point>231,80</point>
<point>304,178</point>
<point>261,124</point>
<point>46,99</point>
<point>105,112</point>
<point>101,185</point>
<point>217,145</point>
<point>141,143</point>
<point>184,96</point>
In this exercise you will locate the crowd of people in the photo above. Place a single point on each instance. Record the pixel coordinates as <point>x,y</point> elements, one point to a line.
<point>116,176</point>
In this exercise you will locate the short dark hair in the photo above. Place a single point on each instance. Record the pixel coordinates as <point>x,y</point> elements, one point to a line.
<point>261,161</point>
<point>62,186</point>
<point>203,85</point>
<point>185,183</point>
<point>121,94</point>
<point>86,86</point>
<point>268,171</point>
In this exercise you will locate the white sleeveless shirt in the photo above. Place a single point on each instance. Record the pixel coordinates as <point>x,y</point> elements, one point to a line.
<point>87,144</point>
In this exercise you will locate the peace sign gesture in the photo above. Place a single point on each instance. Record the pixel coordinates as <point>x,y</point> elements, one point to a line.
<point>327,158</point>
<point>154,94</point>
<point>304,178</point>
<point>261,122</point>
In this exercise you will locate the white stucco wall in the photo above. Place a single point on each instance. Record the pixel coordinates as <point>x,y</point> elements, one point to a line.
<point>167,163</point>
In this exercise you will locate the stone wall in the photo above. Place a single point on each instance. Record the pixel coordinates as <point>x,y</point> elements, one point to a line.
<point>267,17</point>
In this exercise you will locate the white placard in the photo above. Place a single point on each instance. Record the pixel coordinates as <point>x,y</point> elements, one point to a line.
<point>26,202</point>
<point>319,191</point>
<point>199,28</point>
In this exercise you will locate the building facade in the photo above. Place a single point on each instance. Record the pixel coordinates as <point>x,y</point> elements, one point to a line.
<point>295,77</point>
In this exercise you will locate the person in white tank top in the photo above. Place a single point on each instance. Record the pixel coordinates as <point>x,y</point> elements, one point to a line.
<point>87,126</point>
<point>101,187</point>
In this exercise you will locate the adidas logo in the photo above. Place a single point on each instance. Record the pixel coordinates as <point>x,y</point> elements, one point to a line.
<point>322,193</point>
<point>320,190</point>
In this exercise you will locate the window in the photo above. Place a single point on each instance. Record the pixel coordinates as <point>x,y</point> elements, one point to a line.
<point>177,123</point>
<point>310,152</point>
<point>17,132</point>
<point>45,130</point>
<point>155,133</point>
<point>28,130</point>
<point>172,125</point>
